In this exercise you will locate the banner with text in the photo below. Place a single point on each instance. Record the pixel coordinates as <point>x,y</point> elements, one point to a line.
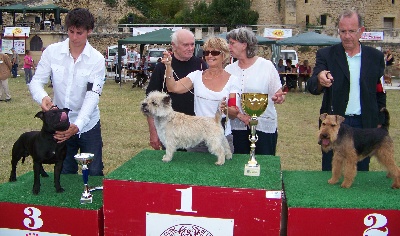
<point>277,33</point>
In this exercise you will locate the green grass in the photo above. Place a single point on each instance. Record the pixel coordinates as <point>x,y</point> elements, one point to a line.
<point>125,131</point>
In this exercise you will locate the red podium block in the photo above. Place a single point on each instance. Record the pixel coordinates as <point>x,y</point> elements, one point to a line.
<point>370,207</point>
<point>50,213</point>
<point>191,195</point>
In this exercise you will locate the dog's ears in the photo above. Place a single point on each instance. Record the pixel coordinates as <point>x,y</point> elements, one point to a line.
<point>323,116</point>
<point>166,100</point>
<point>339,119</point>
<point>40,115</point>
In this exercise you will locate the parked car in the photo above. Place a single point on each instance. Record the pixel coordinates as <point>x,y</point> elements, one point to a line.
<point>153,55</point>
<point>112,51</point>
<point>289,54</point>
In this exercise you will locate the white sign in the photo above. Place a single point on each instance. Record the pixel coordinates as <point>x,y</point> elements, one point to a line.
<point>372,36</point>
<point>165,224</point>
<point>19,232</point>
<point>17,32</point>
<point>7,44</point>
<point>277,33</point>
<point>142,30</point>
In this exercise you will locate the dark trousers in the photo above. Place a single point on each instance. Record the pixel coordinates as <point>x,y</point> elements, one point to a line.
<point>88,142</point>
<point>265,145</point>
<point>14,70</point>
<point>353,121</point>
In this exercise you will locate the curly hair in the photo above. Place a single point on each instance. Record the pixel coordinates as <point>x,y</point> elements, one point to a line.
<point>218,44</point>
<point>244,35</point>
<point>79,18</point>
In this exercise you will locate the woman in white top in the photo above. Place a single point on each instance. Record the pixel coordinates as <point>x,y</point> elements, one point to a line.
<point>256,75</point>
<point>210,86</point>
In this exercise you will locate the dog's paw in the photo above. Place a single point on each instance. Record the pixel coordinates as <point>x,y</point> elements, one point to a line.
<point>60,190</point>
<point>228,156</point>
<point>35,191</point>
<point>166,159</point>
<point>332,181</point>
<point>219,163</point>
<point>345,184</point>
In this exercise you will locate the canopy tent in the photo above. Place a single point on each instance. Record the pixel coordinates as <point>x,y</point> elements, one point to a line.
<point>19,8</point>
<point>305,39</point>
<point>49,8</point>
<point>161,36</point>
<point>310,39</point>
<point>261,40</point>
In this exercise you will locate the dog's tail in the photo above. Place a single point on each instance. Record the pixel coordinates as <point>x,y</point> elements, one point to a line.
<point>386,121</point>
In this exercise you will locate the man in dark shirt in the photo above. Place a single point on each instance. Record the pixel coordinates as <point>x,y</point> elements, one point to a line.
<point>183,62</point>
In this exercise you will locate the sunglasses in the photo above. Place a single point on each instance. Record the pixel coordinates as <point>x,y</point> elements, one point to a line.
<point>213,53</point>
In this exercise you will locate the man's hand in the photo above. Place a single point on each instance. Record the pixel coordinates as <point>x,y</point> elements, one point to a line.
<point>47,103</point>
<point>325,78</point>
<point>62,136</point>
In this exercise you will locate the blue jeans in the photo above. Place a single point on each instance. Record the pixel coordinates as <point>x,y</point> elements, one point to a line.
<point>265,145</point>
<point>14,70</point>
<point>28,75</point>
<point>356,122</point>
<point>88,142</point>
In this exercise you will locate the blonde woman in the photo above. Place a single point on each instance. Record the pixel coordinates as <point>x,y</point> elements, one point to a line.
<point>210,86</point>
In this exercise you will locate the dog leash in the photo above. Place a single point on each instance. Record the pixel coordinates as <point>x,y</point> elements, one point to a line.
<point>174,73</point>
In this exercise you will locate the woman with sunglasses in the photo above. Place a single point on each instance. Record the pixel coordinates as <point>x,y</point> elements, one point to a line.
<point>256,75</point>
<point>210,86</point>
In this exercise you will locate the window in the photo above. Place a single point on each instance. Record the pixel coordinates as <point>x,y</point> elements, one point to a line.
<point>388,22</point>
<point>307,19</point>
<point>323,19</point>
<point>306,1</point>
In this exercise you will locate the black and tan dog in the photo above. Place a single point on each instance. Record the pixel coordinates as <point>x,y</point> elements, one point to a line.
<point>351,145</point>
<point>43,148</point>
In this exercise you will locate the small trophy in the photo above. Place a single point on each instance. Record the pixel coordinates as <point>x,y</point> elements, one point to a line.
<point>84,159</point>
<point>253,104</point>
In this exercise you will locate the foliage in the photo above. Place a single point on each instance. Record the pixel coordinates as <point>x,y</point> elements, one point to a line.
<point>225,12</point>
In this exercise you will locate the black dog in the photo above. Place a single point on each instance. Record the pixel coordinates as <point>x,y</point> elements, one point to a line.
<point>43,148</point>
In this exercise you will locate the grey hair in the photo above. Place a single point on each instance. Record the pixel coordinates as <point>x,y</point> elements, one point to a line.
<point>244,35</point>
<point>175,35</point>
<point>350,13</point>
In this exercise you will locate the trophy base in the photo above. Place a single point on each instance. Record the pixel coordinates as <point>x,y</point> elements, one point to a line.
<point>251,170</point>
<point>86,200</point>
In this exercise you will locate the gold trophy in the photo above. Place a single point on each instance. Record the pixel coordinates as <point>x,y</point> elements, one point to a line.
<point>253,104</point>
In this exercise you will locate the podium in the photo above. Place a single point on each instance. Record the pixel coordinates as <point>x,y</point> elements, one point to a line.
<point>50,213</point>
<point>369,207</point>
<point>146,196</point>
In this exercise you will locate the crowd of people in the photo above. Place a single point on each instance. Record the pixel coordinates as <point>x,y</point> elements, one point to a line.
<point>198,85</point>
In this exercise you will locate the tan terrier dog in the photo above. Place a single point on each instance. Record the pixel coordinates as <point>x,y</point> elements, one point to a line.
<point>351,145</point>
<point>178,130</point>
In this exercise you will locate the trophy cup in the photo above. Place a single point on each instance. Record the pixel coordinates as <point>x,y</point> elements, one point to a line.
<point>253,104</point>
<point>84,159</point>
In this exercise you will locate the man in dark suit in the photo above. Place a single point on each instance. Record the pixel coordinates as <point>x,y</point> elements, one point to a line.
<point>349,74</point>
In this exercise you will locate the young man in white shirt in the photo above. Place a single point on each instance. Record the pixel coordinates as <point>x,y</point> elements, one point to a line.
<point>78,76</point>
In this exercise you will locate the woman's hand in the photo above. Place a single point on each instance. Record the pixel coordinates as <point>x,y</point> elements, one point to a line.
<point>244,118</point>
<point>279,97</point>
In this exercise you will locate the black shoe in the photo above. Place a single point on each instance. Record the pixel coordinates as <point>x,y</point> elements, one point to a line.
<point>7,100</point>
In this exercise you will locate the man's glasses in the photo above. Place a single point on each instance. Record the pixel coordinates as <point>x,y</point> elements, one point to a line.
<point>350,32</point>
<point>213,53</point>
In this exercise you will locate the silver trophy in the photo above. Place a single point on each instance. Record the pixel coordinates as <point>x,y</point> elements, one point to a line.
<point>84,159</point>
<point>253,104</point>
